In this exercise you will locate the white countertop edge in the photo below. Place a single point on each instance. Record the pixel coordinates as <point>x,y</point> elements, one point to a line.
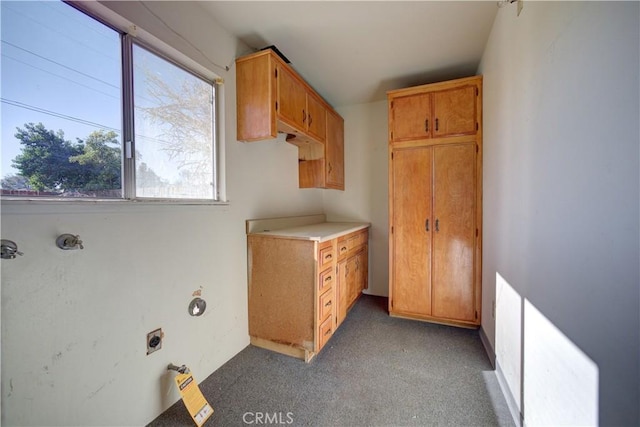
<point>320,232</point>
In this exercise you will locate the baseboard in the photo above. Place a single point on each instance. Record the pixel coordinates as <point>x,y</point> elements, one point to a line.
<point>488,348</point>
<point>511,401</point>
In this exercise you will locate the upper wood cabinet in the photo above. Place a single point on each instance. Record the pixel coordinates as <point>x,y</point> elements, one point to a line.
<point>299,109</point>
<point>334,152</point>
<point>326,169</point>
<point>272,98</point>
<point>434,111</point>
<point>316,117</point>
<point>291,103</point>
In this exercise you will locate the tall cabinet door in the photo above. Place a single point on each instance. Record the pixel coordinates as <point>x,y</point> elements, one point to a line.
<point>412,222</point>
<point>454,231</point>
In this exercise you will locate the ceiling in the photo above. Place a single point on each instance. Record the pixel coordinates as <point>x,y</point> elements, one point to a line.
<point>352,52</point>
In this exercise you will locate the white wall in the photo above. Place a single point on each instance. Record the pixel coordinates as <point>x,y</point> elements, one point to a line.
<point>366,192</point>
<point>74,323</point>
<point>561,185</point>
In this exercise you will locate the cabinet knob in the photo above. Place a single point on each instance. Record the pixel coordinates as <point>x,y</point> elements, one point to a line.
<point>310,119</point>
<point>426,224</point>
<point>304,116</point>
<point>437,224</point>
<point>436,124</point>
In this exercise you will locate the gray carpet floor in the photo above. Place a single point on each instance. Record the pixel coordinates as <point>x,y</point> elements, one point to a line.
<point>375,371</point>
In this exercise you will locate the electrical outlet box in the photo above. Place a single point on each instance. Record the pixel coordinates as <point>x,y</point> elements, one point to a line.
<point>154,340</point>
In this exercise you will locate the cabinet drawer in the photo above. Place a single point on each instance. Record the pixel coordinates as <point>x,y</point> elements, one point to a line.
<point>326,254</point>
<point>326,306</point>
<point>325,281</point>
<point>351,242</point>
<point>343,247</point>
<point>358,240</point>
<point>325,330</point>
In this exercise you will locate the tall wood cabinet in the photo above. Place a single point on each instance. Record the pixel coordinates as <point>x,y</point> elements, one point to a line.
<point>435,202</point>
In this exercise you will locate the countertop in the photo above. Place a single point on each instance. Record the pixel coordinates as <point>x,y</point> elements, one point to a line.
<point>320,232</point>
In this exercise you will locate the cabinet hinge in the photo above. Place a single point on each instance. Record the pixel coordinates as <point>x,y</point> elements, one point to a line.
<point>477,232</point>
<point>477,127</point>
<point>476,314</point>
<point>477,92</point>
<point>392,229</point>
<point>391,134</point>
<point>276,105</point>
<point>477,148</point>
<point>391,104</point>
<point>392,153</point>
<point>276,73</point>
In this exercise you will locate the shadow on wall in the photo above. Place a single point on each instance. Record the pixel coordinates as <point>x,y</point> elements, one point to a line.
<point>551,380</point>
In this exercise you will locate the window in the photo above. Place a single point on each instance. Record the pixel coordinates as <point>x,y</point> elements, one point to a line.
<point>87,112</point>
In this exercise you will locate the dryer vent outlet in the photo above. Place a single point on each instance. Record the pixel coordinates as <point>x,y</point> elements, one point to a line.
<point>154,340</point>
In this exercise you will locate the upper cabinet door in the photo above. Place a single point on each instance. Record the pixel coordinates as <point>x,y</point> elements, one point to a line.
<point>292,99</point>
<point>411,117</point>
<point>334,149</point>
<point>256,98</point>
<point>455,112</point>
<point>316,118</point>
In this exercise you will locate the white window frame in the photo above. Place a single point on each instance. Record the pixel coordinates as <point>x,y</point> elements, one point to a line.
<point>131,34</point>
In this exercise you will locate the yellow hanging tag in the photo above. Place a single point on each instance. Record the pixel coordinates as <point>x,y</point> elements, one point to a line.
<point>193,399</point>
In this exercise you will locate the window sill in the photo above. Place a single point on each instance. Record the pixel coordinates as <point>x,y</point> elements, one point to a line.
<point>85,201</point>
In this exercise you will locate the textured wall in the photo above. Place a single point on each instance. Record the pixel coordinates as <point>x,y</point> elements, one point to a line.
<point>561,185</point>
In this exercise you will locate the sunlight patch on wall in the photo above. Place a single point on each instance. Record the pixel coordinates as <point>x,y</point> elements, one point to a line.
<point>550,381</point>
<point>560,381</point>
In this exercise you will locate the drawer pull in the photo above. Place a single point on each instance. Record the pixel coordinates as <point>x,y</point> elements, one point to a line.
<point>328,303</point>
<point>342,249</point>
<point>326,279</point>
<point>328,332</point>
<point>328,256</point>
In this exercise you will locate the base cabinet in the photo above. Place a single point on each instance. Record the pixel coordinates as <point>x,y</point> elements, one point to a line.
<point>352,271</point>
<point>301,290</point>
